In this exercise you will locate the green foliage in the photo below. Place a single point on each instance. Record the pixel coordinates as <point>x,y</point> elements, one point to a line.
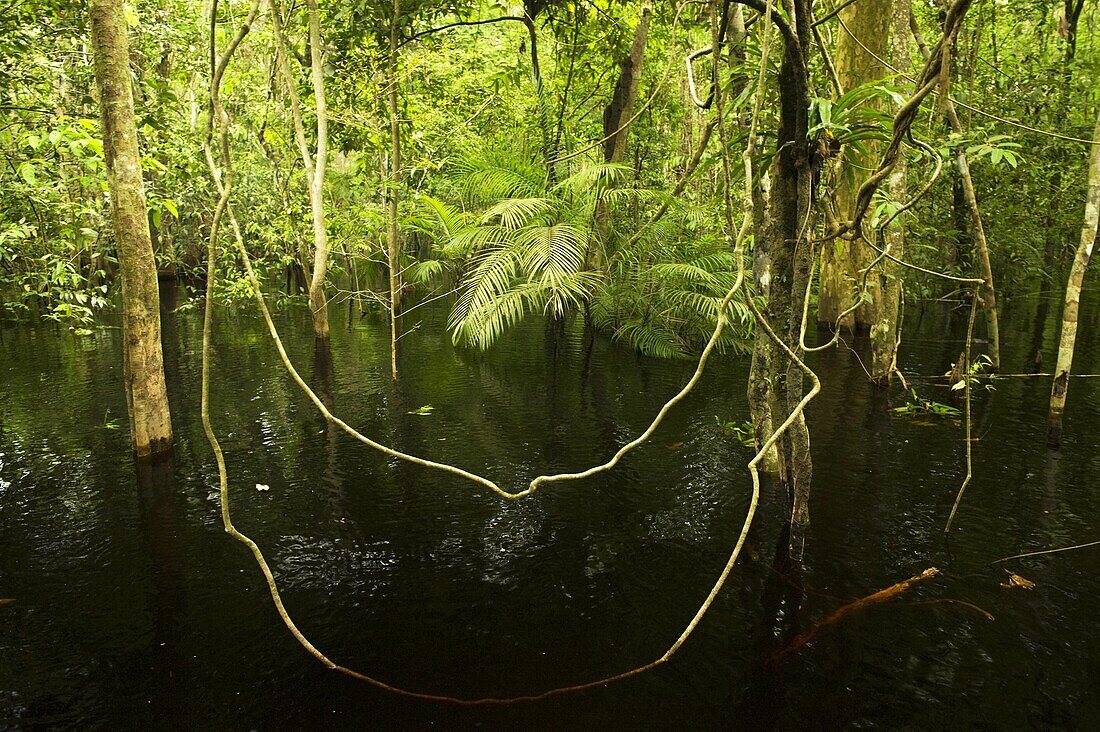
<point>520,254</point>
<point>919,405</point>
<point>742,432</point>
<point>481,210</point>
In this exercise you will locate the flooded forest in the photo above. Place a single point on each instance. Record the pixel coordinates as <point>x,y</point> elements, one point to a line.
<point>549,364</point>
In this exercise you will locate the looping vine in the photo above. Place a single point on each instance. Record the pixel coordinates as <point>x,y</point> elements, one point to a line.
<point>223,181</point>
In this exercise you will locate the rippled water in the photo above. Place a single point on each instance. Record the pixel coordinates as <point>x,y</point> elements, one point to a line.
<point>133,608</point>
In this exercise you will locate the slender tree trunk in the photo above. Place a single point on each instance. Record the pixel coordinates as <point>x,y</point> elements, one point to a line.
<point>315,168</point>
<point>393,241</point>
<point>765,354</point>
<point>987,293</point>
<point>1073,295</point>
<point>162,248</point>
<point>1070,17</point>
<point>549,152</point>
<point>318,303</point>
<point>143,361</point>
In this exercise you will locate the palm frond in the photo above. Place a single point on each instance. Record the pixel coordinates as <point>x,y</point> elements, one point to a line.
<point>514,213</point>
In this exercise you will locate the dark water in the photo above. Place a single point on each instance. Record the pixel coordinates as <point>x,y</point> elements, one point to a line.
<point>132,608</point>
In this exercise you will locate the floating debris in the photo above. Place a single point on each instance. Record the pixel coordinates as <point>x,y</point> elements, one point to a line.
<point>1015,580</point>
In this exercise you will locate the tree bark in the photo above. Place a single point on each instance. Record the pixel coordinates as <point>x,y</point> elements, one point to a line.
<point>318,303</point>
<point>314,167</point>
<point>143,361</point>
<point>790,253</point>
<point>842,264</point>
<point>618,111</point>
<point>986,292</point>
<point>621,107</point>
<point>393,240</point>
<point>886,328</point>
<point>1073,295</point>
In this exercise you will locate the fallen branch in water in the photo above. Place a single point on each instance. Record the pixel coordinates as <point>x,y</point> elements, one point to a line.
<point>1047,551</point>
<point>809,635</point>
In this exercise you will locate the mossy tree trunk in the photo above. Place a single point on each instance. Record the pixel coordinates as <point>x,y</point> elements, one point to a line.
<point>842,264</point>
<point>786,254</point>
<point>143,361</point>
<point>885,329</point>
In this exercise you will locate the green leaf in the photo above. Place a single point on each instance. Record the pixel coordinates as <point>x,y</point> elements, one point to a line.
<point>26,172</point>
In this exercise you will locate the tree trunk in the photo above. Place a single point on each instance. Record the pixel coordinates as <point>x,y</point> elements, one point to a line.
<point>393,241</point>
<point>764,352</point>
<point>315,169</point>
<point>618,111</point>
<point>981,246</point>
<point>1070,16</point>
<point>986,291</point>
<point>842,264</point>
<point>885,329</point>
<point>790,254</point>
<point>143,361</point>
<point>1073,295</point>
<point>549,152</point>
<point>621,107</point>
<point>318,303</point>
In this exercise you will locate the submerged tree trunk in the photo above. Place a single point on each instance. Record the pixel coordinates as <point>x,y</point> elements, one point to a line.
<point>981,246</point>
<point>886,326</point>
<point>842,265</point>
<point>765,353</point>
<point>318,303</point>
<point>986,292</point>
<point>786,235</point>
<point>143,361</point>
<point>1073,294</point>
<point>314,167</point>
<point>789,254</point>
<point>393,240</point>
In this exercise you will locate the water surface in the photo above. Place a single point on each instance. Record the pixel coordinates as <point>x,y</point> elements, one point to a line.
<point>133,608</point>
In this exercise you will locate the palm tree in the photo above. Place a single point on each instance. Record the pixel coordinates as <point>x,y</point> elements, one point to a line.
<point>524,245</point>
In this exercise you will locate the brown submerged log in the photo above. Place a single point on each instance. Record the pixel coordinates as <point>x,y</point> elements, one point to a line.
<point>811,633</point>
